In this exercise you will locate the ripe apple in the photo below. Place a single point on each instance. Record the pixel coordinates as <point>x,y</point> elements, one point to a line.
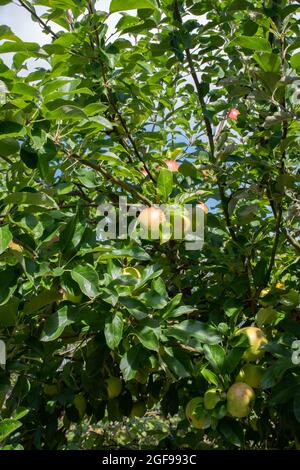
<point>114,387</point>
<point>150,220</point>
<point>251,375</point>
<point>202,206</point>
<point>138,409</point>
<point>130,271</point>
<point>256,340</point>
<point>239,398</point>
<point>196,414</point>
<point>233,114</point>
<point>172,165</point>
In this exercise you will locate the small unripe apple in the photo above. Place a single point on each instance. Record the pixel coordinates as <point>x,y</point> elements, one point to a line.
<point>138,409</point>
<point>150,220</point>
<point>51,390</point>
<point>233,114</point>
<point>256,340</point>
<point>114,387</point>
<point>196,414</point>
<point>251,374</point>
<point>239,398</point>
<point>212,398</point>
<point>172,165</point>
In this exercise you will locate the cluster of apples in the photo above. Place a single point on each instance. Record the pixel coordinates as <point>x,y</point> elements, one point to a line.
<point>114,389</point>
<point>152,217</point>
<point>240,395</point>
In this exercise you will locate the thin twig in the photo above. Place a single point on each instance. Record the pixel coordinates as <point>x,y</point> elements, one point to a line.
<point>108,176</point>
<point>6,159</point>
<point>291,239</point>
<point>36,16</point>
<point>208,126</point>
<point>124,125</point>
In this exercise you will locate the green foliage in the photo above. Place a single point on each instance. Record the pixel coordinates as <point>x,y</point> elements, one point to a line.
<point>80,131</point>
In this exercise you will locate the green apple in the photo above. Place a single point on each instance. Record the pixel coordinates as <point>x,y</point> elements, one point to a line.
<point>196,414</point>
<point>256,340</point>
<point>251,374</point>
<point>212,398</point>
<point>138,409</point>
<point>114,387</point>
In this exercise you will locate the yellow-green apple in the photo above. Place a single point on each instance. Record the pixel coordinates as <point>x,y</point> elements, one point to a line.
<point>251,374</point>
<point>196,414</point>
<point>239,398</point>
<point>212,397</point>
<point>256,339</point>
<point>114,387</point>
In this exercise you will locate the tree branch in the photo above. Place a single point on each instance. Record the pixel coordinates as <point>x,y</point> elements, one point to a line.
<point>291,239</point>
<point>275,244</point>
<point>36,16</point>
<point>6,159</point>
<point>124,125</point>
<point>208,126</point>
<point>277,207</point>
<point>108,176</point>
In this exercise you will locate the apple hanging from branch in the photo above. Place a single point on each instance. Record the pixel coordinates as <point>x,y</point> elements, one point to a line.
<point>233,114</point>
<point>150,220</point>
<point>172,165</point>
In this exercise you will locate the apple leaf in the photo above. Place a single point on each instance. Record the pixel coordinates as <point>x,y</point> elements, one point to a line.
<point>124,5</point>
<point>5,238</point>
<point>165,183</point>
<point>87,279</point>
